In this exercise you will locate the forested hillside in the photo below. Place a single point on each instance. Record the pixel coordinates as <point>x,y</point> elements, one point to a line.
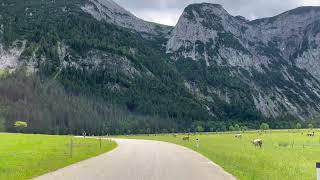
<point>78,65</point>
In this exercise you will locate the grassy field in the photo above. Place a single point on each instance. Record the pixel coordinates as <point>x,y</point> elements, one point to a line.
<point>26,156</point>
<point>285,155</point>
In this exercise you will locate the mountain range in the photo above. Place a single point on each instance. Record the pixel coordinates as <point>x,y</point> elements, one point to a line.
<point>212,69</point>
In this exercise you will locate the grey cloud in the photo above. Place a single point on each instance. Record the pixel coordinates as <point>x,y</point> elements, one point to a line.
<point>168,11</point>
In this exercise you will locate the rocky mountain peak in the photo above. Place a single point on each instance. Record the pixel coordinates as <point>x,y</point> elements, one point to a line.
<point>111,12</point>
<point>209,15</point>
<point>200,7</point>
<point>201,24</point>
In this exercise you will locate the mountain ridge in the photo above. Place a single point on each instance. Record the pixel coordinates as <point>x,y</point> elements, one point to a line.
<point>208,32</point>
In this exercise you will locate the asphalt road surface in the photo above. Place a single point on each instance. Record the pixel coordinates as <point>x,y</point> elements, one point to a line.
<point>143,160</point>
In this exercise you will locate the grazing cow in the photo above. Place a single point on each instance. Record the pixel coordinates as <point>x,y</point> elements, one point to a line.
<point>310,134</point>
<point>257,143</point>
<point>239,136</point>
<point>186,138</point>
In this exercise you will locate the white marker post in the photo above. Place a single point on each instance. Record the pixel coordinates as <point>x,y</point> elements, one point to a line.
<point>318,171</point>
<point>197,143</point>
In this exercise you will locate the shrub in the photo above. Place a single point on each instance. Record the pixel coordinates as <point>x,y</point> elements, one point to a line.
<point>237,127</point>
<point>20,125</point>
<point>264,126</point>
<point>200,129</point>
<point>298,126</point>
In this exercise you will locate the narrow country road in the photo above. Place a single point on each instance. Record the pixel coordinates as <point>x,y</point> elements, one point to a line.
<point>143,160</point>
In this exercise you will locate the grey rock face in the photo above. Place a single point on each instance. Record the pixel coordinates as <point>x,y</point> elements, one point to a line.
<point>113,13</point>
<point>9,57</point>
<point>268,46</point>
<point>279,38</point>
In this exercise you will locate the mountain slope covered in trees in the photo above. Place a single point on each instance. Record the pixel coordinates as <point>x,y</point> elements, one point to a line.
<point>89,65</point>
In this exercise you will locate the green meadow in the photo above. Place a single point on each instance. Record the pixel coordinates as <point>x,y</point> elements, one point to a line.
<point>285,155</point>
<point>26,156</point>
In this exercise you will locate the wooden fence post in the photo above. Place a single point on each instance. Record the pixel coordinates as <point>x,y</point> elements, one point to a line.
<point>318,171</point>
<point>71,148</point>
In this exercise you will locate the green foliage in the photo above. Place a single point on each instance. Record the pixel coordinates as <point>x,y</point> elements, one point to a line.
<point>298,126</point>
<point>51,110</point>
<point>20,126</point>
<point>237,127</point>
<point>310,126</point>
<point>231,128</point>
<point>4,73</point>
<point>200,129</point>
<point>244,128</point>
<point>264,126</point>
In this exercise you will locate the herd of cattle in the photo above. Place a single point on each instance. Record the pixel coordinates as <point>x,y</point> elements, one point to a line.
<point>255,142</point>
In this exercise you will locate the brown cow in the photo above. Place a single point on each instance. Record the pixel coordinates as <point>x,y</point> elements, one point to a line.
<point>186,138</point>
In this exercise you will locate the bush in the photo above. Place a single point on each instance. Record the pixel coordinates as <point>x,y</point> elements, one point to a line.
<point>298,126</point>
<point>237,127</point>
<point>200,129</point>
<point>264,126</point>
<point>20,125</point>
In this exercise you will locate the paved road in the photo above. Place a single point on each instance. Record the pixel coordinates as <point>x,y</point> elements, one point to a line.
<point>143,160</point>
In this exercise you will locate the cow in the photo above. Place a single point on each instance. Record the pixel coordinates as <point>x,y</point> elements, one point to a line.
<point>257,143</point>
<point>239,136</point>
<point>310,134</point>
<point>186,138</point>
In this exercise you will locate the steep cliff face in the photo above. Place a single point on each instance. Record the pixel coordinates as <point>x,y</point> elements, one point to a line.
<point>280,47</point>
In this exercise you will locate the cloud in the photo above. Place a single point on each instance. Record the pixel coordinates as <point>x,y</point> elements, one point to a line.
<point>168,11</point>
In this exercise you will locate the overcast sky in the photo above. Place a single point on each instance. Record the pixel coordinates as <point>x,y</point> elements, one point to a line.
<point>168,11</point>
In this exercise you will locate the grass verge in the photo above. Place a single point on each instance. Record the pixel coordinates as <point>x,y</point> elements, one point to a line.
<point>25,156</point>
